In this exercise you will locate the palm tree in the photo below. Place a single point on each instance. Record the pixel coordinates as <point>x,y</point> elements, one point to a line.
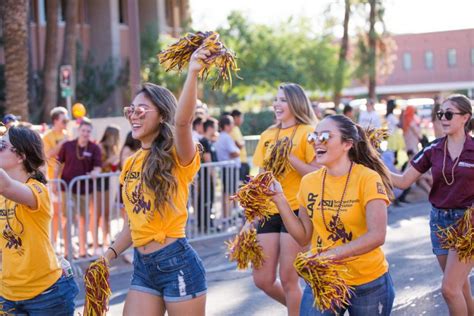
<point>15,34</point>
<point>341,66</point>
<point>50,86</point>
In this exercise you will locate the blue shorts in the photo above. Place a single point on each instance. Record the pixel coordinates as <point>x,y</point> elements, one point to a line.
<point>373,298</point>
<point>175,272</point>
<point>56,300</point>
<point>442,218</point>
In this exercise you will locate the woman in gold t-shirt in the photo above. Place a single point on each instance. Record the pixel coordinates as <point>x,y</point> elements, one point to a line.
<point>295,121</point>
<point>168,275</point>
<point>32,281</point>
<point>343,207</point>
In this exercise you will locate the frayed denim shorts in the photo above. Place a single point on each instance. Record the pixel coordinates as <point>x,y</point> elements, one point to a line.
<point>442,218</point>
<point>175,272</point>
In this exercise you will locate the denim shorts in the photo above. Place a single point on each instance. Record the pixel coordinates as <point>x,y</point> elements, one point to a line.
<point>442,218</point>
<point>56,300</point>
<point>373,298</point>
<point>174,272</point>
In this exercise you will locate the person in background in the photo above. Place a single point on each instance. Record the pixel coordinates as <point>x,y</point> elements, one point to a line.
<point>370,118</point>
<point>53,140</point>
<point>437,126</point>
<point>130,146</point>
<point>237,136</point>
<point>32,281</point>
<point>317,110</point>
<point>206,176</point>
<point>449,158</point>
<point>295,121</point>
<point>198,129</point>
<point>395,141</point>
<point>348,111</point>
<point>411,129</point>
<point>227,150</point>
<point>109,146</point>
<point>79,157</point>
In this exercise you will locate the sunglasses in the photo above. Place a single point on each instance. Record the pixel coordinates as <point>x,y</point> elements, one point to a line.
<point>138,110</point>
<point>323,137</point>
<point>448,115</point>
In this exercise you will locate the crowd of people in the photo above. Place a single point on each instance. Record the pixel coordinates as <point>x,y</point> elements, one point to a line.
<point>333,199</point>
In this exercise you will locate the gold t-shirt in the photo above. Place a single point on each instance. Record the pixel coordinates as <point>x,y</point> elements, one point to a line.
<point>51,139</point>
<point>301,149</point>
<point>29,264</point>
<point>173,222</point>
<point>364,186</point>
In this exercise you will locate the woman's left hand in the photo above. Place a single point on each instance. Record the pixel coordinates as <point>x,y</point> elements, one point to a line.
<point>198,59</point>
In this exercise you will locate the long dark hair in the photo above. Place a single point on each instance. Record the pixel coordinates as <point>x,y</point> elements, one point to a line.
<point>29,146</point>
<point>160,163</point>
<point>362,151</point>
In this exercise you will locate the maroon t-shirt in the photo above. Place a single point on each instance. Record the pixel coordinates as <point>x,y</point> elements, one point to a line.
<point>79,161</point>
<point>461,193</point>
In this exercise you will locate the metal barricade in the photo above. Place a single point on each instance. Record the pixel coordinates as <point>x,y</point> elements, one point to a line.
<point>87,199</point>
<point>211,210</point>
<point>251,142</point>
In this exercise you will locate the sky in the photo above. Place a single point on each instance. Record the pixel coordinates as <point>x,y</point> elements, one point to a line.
<point>401,16</point>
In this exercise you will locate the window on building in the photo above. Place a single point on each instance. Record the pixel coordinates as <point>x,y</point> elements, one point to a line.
<point>41,11</point>
<point>429,60</point>
<point>123,12</point>
<point>62,11</point>
<point>407,64</point>
<point>451,57</point>
<point>472,56</point>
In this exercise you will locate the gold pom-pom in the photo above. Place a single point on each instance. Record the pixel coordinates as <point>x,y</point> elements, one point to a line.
<point>278,162</point>
<point>221,63</point>
<point>460,236</point>
<point>245,250</point>
<point>376,136</point>
<point>323,275</point>
<point>96,282</point>
<point>255,197</point>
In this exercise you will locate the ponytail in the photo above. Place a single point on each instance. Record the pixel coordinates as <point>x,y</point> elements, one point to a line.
<point>39,176</point>
<point>362,151</point>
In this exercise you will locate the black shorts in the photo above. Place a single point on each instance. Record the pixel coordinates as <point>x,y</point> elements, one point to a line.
<point>273,225</point>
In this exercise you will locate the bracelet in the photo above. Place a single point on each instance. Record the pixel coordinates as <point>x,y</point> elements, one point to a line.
<point>115,252</point>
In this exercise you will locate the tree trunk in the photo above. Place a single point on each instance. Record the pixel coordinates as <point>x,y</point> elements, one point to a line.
<point>372,49</point>
<point>341,66</point>
<point>15,33</point>
<point>51,60</point>
<point>70,37</point>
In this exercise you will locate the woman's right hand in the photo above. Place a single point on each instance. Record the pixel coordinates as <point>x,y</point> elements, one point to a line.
<point>198,60</point>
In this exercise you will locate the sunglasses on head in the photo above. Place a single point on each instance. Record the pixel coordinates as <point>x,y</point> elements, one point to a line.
<point>448,115</point>
<point>138,110</point>
<point>322,137</point>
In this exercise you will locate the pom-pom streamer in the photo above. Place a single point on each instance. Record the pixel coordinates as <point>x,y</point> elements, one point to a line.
<point>376,136</point>
<point>245,250</point>
<point>96,282</point>
<point>255,197</point>
<point>278,162</point>
<point>460,236</point>
<point>323,275</point>
<point>222,61</point>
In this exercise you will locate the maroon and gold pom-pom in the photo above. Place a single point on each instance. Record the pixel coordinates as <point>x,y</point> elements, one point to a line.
<point>460,236</point>
<point>245,250</point>
<point>96,282</point>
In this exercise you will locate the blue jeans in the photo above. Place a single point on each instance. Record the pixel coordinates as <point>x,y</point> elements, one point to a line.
<point>175,272</point>
<point>442,218</point>
<point>373,298</point>
<point>56,300</point>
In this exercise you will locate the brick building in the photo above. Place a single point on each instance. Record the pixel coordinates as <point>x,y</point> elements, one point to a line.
<point>428,64</point>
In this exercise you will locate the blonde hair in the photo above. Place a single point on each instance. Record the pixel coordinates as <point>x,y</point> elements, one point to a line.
<point>298,103</point>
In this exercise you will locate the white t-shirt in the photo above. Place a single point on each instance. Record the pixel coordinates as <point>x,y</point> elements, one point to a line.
<point>371,119</point>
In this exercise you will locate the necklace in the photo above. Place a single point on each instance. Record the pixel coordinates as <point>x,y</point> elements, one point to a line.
<point>444,164</point>
<point>292,133</point>
<point>336,220</point>
<point>80,156</point>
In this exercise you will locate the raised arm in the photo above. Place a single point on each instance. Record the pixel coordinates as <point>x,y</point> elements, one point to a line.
<point>405,180</point>
<point>185,147</point>
<point>17,191</point>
